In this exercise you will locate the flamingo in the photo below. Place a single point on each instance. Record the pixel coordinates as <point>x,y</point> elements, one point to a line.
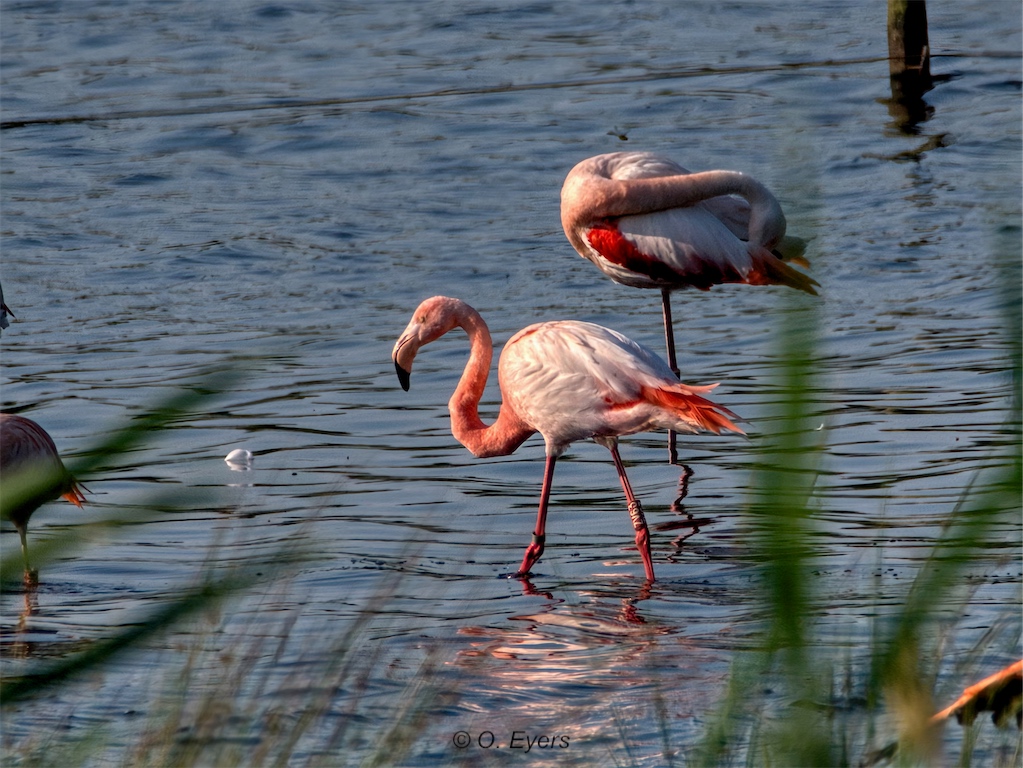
<point>568,381</point>
<point>647,222</point>
<point>999,694</point>
<point>27,453</point>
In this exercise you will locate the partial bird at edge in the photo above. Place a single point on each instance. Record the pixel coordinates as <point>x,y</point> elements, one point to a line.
<point>34,475</point>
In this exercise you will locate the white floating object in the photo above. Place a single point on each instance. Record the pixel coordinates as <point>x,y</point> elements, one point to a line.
<point>239,460</point>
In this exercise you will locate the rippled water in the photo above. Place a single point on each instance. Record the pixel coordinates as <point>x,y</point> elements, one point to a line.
<point>190,181</point>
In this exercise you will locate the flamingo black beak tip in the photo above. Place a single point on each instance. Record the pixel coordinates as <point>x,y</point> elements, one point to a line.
<point>403,376</point>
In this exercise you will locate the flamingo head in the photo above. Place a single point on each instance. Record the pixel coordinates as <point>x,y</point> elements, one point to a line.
<point>431,320</point>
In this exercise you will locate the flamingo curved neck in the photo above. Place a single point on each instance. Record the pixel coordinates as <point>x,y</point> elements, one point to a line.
<point>509,431</point>
<point>590,197</point>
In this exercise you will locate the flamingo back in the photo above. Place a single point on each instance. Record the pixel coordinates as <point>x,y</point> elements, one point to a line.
<point>27,450</point>
<point>572,380</point>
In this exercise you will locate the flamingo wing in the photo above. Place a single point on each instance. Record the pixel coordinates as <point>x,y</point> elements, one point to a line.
<point>572,380</point>
<point>687,246</point>
<point>27,447</point>
<point>25,442</point>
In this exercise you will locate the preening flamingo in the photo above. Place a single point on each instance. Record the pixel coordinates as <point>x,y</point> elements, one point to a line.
<point>33,474</point>
<point>647,222</point>
<point>568,381</point>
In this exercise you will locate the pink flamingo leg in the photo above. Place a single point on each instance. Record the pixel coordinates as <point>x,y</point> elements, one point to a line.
<point>669,340</point>
<point>636,513</point>
<point>535,549</point>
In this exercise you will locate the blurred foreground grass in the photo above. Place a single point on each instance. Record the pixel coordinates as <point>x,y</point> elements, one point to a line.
<point>837,713</point>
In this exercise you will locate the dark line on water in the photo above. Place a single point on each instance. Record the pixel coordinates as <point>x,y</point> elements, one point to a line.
<point>667,74</point>
<point>664,74</point>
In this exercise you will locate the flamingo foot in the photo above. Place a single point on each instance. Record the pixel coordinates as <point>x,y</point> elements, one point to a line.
<point>643,545</point>
<point>533,553</point>
<point>642,537</point>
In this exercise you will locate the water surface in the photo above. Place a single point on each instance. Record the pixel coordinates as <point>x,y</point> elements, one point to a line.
<point>285,182</point>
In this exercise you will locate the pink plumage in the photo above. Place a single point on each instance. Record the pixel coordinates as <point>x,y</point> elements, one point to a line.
<point>567,380</point>
<point>647,222</point>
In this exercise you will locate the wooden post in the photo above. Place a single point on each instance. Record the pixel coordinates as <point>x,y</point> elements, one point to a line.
<point>909,55</point>
<point>909,63</point>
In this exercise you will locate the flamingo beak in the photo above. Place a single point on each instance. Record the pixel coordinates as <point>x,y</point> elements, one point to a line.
<point>403,375</point>
<point>403,354</point>
<point>74,496</point>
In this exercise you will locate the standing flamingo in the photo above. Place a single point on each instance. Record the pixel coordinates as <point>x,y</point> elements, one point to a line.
<point>647,222</point>
<point>32,475</point>
<point>568,381</point>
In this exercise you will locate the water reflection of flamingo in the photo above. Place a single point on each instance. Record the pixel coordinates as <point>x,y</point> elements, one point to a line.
<point>647,222</point>
<point>29,458</point>
<point>568,381</point>
<point>686,523</point>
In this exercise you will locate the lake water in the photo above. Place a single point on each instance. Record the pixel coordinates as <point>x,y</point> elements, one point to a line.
<point>188,182</point>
